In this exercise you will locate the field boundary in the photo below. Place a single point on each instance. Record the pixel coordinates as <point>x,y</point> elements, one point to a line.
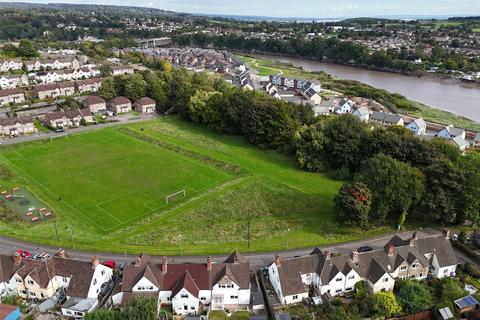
<point>218,164</point>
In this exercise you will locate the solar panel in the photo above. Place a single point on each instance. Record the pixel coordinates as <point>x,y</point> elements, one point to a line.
<point>466,302</point>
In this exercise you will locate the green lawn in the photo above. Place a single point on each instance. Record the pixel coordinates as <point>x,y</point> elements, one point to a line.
<point>112,185</point>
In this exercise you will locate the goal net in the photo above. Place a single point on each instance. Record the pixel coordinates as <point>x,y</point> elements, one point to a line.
<point>174,196</point>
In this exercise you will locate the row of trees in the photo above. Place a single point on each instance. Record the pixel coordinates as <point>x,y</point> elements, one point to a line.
<point>25,49</point>
<point>141,308</point>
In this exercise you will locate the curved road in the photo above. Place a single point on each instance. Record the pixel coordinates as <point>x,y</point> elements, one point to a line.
<point>9,245</point>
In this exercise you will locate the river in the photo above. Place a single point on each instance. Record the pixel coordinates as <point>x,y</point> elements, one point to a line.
<point>457,97</point>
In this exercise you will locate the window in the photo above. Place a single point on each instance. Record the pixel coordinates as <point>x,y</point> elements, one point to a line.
<point>421,274</point>
<point>338,290</point>
<point>42,295</point>
<point>295,297</point>
<point>30,282</point>
<point>339,279</point>
<point>403,268</point>
<point>352,276</point>
<point>192,307</point>
<point>233,297</point>
<point>103,272</point>
<point>169,298</point>
<point>69,312</point>
<point>65,279</point>
<point>203,298</point>
<point>150,288</point>
<point>414,265</point>
<point>94,281</point>
<point>385,279</point>
<point>229,285</point>
<point>349,289</point>
<point>24,292</point>
<point>18,280</point>
<point>183,295</point>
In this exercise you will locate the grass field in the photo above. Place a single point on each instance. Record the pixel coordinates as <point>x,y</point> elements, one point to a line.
<point>112,184</point>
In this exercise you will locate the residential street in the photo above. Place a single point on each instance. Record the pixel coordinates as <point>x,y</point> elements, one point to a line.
<point>9,245</point>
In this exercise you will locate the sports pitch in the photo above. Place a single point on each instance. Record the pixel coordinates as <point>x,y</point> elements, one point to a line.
<point>108,178</point>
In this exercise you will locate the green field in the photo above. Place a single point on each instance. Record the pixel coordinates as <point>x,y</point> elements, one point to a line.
<point>109,187</point>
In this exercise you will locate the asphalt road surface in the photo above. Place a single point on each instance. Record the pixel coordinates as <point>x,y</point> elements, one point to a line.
<point>9,245</point>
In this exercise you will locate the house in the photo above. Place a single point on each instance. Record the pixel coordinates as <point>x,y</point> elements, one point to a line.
<point>120,105</point>
<point>465,304</point>
<point>311,95</point>
<point>11,64</point>
<point>450,132</point>
<point>81,281</point>
<point>8,266</point>
<point>11,96</point>
<point>414,258</point>
<point>13,81</point>
<point>53,64</point>
<point>16,126</point>
<point>70,118</point>
<point>145,105</point>
<point>121,70</point>
<point>88,85</point>
<point>343,106</point>
<point>362,114</point>
<point>476,140</point>
<point>188,287</point>
<point>460,143</point>
<point>66,88</point>
<point>83,289</point>
<point>386,119</point>
<point>95,104</point>
<point>417,126</point>
<point>44,91</point>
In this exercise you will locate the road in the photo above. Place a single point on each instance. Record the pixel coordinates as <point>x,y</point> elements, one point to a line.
<point>118,120</point>
<point>9,245</point>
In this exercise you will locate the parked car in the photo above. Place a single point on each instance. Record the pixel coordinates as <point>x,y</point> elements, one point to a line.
<point>365,249</point>
<point>24,253</point>
<point>110,263</point>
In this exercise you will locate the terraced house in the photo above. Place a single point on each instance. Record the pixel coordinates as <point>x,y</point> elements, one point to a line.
<point>189,288</point>
<point>294,279</point>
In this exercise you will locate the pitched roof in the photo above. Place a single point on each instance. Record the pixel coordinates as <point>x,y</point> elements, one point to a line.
<point>420,123</point>
<point>7,267</point>
<point>120,100</point>
<point>145,101</point>
<point>8,92</point>
<point>93,100</point>
<point>235,256</point>
<point>186,282</point>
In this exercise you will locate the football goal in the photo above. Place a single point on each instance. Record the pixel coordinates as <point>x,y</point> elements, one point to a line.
<point>174,196</point>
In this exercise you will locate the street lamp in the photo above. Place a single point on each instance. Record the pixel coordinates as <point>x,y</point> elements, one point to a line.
<point>69,229</point>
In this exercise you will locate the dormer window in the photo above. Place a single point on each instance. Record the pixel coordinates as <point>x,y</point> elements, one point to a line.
<point>415,265</point>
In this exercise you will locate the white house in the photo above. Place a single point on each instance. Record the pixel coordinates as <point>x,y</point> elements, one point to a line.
<point>362,114</point>
<point>295,278</point>
<point>120,105</point>
<point>417,126</point>
<point>13,81</point>
<point>95,104</point>
<point>11,64</point>
<point>451,132</point>
<point>188,287</point>
<point>145,105</point>
<point>344,106</point>
<point>121,70</point>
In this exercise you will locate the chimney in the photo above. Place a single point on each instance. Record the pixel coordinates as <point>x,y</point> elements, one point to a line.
<point>17,258</point>
<point>137,262</point>
<point>164,264</point>
<point>278,262</point>
<point>327,254</point>
<point>446,234</point>
<point>412,239</point>
<point>390,249</point>
<point>209,263</point>
<point>61,254</point>
<point>355,256</point>
<point>235,259</point>
<point>95,262</point>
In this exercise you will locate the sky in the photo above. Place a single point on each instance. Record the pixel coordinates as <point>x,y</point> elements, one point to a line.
<point>303,8</point>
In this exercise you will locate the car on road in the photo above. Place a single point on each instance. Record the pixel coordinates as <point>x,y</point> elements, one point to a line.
<point>110,263</point>
<point>365,249</point>
<point>24,253</point>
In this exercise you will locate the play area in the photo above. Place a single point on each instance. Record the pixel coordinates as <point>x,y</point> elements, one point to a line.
<point>24,205</point>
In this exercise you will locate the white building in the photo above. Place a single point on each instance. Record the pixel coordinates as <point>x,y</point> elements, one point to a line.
<point>418,126</point>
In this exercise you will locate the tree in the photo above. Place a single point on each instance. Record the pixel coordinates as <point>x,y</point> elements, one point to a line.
<point>386,304</point>
<point>352,204</point>
<point>395,185</point>
<point>309,142</point>
<point>141,308</point>
<point>102,314</point>
<point>26,49</point>
<point>134,87</point>
<point>105,70</point>
<point>414,297</point>
<point>107,89</point>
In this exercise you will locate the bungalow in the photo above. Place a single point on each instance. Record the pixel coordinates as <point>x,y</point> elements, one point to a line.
<point>362,114</point>
<point>11,96</point>
<point>95,104</point>
<point>11,64</point>
<point>386,119</point>
<point>70,118</point>
<point>145,105</point>
<point>295,278</point>
<point>451,132</point>
<point>82,281</point>
<point>88,85</point>
<point>120,105</point>
<point>417,126</point>
<point>13,81</point>
<point>121,70</point>
<point>16,125</point>
<point>188,287</point>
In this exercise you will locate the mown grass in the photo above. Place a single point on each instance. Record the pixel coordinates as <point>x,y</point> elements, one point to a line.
<point>272,202</point>
<point>266,67</point>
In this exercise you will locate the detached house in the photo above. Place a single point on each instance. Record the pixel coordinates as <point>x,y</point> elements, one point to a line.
<point>295,278</point>
<point>455,136</point>
<point>188,287</point>
<point>16,126</point>
<point>120,105</point>
<point>362,114</point>
<point>11,96</point>
<point>95,104</point>
<point>417,126</point>
<point>145,105</point>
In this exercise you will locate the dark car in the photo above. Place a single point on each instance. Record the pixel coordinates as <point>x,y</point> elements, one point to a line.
<point>364,249</point>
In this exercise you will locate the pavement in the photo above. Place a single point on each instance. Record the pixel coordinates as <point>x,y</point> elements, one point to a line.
<point>257,260</point>
<point>115,121</point>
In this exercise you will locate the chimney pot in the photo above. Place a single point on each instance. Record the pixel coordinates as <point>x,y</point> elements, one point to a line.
<point>355,256</point>
<point>61,253</point>
<point>278,262</point>
<point>209,263</point>
<point>95,261</point>
<point>137,261</point>
<point>390,249</point>
<point>164,264</point>
<point>328,255</point>
<point>17,258</point>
